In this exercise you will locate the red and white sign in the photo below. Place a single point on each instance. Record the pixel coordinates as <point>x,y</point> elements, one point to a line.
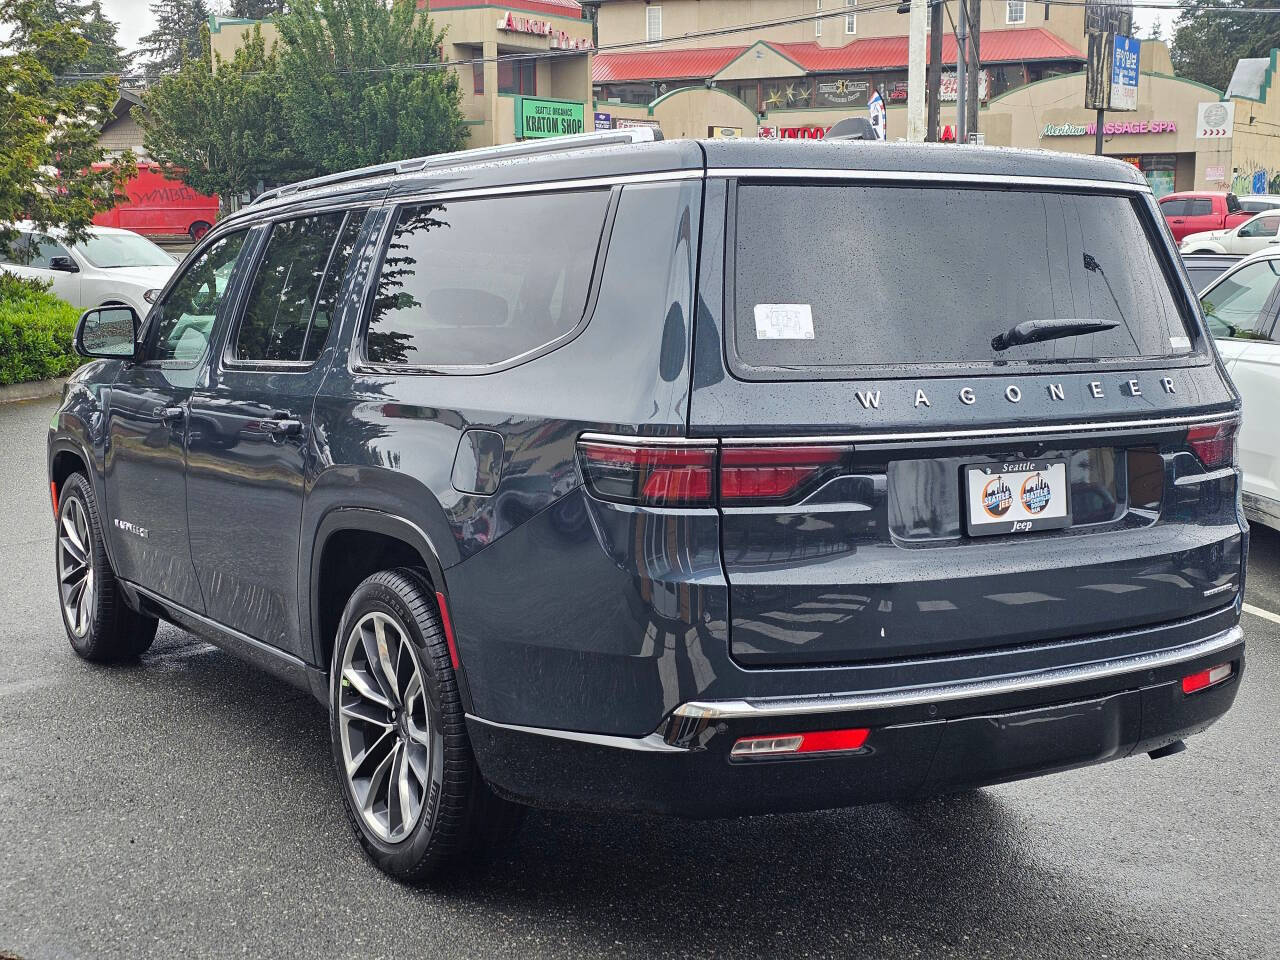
<point>948,86</point>
<point>560,40</point>
<point>793,133</point>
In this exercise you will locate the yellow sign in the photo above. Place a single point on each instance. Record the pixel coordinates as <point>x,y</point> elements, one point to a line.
<point>724,133</point>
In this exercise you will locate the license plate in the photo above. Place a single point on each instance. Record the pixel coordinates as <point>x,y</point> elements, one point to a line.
<point>1017,496</point>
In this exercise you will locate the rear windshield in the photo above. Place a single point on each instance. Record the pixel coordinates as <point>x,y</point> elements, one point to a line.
<point>830,277</point>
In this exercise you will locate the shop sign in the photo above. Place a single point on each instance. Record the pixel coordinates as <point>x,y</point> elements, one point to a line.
<point>604,121</point>
<point>1111,128</point>
<point>793,133</point>
<point>948,86</point>
<point>538,117</point>
<point>1214,120</point>
<point>1124,74</point>
<point>622,123</point>
<point>724,133</point>
<point>1215,174</point>
<point>896,92</point>
<point>843,93</point>
<point>560,40</point>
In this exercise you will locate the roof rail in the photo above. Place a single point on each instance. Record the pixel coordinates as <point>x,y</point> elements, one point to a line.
<point>460,158</point>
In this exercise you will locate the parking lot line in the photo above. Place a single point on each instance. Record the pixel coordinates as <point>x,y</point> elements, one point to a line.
<point>1264,614</point>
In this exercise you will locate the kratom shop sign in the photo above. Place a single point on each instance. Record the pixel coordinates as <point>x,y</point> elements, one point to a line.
<point>540,117</point>
<point>1111,128</point>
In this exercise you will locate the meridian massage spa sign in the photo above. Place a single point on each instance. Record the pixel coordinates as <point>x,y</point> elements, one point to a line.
<point>1111,128</point>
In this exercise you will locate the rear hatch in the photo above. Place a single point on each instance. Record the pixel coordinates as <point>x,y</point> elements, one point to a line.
<point>894,484</point>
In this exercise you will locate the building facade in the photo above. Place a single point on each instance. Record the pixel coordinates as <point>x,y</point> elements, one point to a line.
<point>511,88</point>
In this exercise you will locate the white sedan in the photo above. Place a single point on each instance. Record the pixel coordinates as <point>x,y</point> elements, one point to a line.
<point>1242,307</point>
<point>1249,237</point>
<point>109,266</point>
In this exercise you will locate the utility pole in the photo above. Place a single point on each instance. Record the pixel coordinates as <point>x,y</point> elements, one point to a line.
<point>934,92</point>
<point>962,86</point>
<point>915,72</point>
<point>974,60</point>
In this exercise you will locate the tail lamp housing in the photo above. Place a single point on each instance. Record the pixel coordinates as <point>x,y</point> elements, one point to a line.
<point>693,474</point>
<point>1214,443</point>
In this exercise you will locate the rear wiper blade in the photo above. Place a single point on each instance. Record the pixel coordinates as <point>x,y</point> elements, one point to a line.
<point>1033,331</point>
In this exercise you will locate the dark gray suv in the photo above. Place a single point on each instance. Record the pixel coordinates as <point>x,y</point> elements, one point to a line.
<point>708,478</point>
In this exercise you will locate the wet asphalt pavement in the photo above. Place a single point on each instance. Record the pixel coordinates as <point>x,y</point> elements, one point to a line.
<point>187,807</point>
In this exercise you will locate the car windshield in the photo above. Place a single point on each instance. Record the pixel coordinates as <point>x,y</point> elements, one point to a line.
<point>107,250</point>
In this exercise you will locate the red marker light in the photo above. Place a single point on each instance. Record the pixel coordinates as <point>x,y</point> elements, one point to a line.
<point>1207,678</point>
<point>775,473</point>
<point>820,741</point>
<point>447,623</point>
<point>53,492</point>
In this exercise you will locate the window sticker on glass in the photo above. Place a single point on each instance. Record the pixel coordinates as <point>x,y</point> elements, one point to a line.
<point>784,321</point>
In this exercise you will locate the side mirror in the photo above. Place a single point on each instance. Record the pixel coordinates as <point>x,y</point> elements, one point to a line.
<point>63,264</point>
<point>108,333</point>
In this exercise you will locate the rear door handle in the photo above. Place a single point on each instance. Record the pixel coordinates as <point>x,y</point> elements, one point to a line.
<point>282,428</point>
<point>170,415</point>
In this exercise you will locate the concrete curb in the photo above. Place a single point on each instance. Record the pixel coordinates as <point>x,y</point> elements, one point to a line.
<point>34,390</point>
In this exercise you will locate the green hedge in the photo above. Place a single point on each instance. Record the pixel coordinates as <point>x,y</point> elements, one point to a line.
<point>35,332</point>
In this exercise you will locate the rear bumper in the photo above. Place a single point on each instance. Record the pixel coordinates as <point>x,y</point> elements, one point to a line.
<point>923,740</point>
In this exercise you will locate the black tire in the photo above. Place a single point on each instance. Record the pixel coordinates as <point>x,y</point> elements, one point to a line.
<point>103,628</point>
<point>458,817</point>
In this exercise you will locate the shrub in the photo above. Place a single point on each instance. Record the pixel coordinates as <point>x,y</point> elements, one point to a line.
<point>36,329</point>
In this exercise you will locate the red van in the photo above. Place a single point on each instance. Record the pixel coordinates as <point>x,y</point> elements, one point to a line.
<point>158,206</point>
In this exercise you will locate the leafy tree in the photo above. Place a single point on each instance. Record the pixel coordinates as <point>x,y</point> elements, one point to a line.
<point>52,170</point>
<point>257,9</point>
<point>1208,42</point>
<point>221,130</point>
<point>351,94</point>
<point>85,17</point>
<point>176,37</point>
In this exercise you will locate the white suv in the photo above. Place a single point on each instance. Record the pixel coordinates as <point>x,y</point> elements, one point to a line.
<point>109,266</point>
<point>1242,307</point>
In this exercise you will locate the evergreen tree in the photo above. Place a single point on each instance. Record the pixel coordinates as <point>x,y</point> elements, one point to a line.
<point>1208,42</point>
<point>52,170</point>
<point>257,9</point>
<point>103,54</point>
<point>177,36</point>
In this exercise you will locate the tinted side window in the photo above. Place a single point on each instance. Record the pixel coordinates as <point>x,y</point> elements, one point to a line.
<point>1173,208</point>
<point>1234,307</point>
<point>327,299</point>
<point>287,288</point>
<point>43,250</point>
<point>477,282</point>
<point>184,319</point>
<point>1197,207</point>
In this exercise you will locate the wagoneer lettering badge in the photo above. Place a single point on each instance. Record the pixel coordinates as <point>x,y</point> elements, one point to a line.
<point>1094,390</point>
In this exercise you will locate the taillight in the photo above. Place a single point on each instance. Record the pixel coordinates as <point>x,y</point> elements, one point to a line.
<point>1214,443</point>
<point>694,474</point>
<point>655,476</point>
<point>772,474</point>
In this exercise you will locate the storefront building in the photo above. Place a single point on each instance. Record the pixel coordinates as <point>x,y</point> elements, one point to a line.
<point>502,99</point>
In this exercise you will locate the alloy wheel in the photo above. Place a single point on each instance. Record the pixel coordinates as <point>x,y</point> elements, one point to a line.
<point>385,727</point>
<point>75,567</point>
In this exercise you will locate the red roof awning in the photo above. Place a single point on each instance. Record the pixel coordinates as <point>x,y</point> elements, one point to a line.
<point>695,64</point>
<point>881,53</point>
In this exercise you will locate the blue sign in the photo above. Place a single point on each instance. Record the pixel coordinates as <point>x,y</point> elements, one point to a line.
<point>1124,73</point>
<point>604,121</point>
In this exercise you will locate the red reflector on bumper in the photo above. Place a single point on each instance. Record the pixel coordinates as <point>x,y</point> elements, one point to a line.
<point>821,741</point>
<point>1206,678</point>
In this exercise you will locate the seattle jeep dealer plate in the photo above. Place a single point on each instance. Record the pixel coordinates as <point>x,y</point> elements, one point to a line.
<point>1017,496</point>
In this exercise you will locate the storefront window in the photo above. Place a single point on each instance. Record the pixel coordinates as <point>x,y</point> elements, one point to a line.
<point>748,93</point>
<point>791,93</point>
<point>518,76</point>
<point>477,78</point>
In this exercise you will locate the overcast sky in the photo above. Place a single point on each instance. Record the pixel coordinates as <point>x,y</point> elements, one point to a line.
<point>135,20</point>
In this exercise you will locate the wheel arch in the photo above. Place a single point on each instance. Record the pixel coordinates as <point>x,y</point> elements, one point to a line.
<point>350,544</point>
